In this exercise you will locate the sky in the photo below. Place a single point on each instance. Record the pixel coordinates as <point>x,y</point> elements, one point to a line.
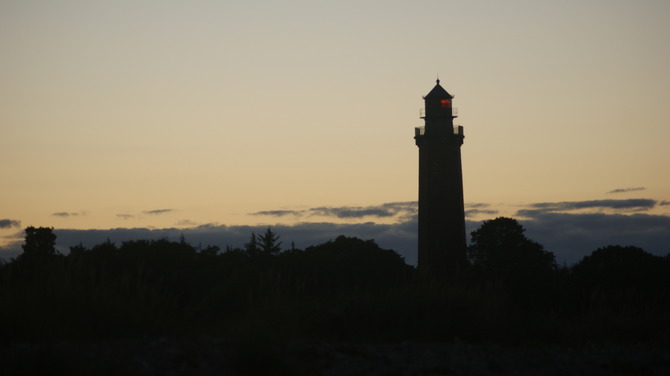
<point>136,119</point>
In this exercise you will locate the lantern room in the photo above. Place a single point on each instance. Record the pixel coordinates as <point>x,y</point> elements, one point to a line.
<point>438,103</point>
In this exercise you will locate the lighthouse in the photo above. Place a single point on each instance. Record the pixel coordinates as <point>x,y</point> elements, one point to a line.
<point>442,244</point>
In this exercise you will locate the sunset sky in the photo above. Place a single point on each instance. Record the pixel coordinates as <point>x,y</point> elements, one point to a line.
<point>193,115</point>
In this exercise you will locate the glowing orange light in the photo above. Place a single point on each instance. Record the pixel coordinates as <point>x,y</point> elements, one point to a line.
<point>445,103</point>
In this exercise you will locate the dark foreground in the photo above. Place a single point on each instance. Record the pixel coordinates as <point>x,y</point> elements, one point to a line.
<point>114,310</point>
<point>208,356</point>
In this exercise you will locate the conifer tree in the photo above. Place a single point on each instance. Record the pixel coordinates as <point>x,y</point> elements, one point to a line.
<point>269,242</point>
<point>251,248</point>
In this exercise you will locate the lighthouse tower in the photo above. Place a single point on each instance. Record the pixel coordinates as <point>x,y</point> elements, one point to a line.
<point>442,245</point>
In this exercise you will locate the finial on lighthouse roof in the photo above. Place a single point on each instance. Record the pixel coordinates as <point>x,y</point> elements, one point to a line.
<point>438,92</point>
<point>438,79</point>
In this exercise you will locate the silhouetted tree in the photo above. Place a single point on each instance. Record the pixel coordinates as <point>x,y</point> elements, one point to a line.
<point>251,247</point>
<point>269,243</point>
<point>210,250</point>
<point>106,247</point>
<point>501,252</point>
<point>618,268</point>
<point>40,243</point>
<point>77,250</point>
<point>499,247</point>
<point>348,262</point>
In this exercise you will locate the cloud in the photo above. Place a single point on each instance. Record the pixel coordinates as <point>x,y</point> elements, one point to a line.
<point>353,212</point>
<point>11,250</point>
<point>147,212</point>
<point>64,214</point>
<point>278,213</point>
<point>664,203</point>
<point>478,208</point>
<point>157,211</point>
<point>569,235</point>
<point>572,236</point>
<point>13,242</point>
<point>638,204</point>
<point>9,223</point>
<point>386,210</point>
<point>380,211</point>
<point>476,205</point>
<point>623,190</point>
<point>473,212</point>
<point>186,222</point>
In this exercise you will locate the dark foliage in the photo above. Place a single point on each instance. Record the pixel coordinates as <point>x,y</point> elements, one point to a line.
<point>615,268</point>
<point>500,248</point>
<point>344,289</point>
<point>269,242</point>
<point>40,243</point>
<point>623,278</point>
<point>500,252</point>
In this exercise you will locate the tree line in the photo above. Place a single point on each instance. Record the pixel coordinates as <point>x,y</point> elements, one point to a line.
<point>343,289</point>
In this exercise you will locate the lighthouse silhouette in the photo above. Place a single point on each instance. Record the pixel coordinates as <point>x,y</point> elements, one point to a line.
<point>442,245</point>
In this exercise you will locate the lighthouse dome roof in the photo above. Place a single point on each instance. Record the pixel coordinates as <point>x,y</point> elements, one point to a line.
<point>438,92</point>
